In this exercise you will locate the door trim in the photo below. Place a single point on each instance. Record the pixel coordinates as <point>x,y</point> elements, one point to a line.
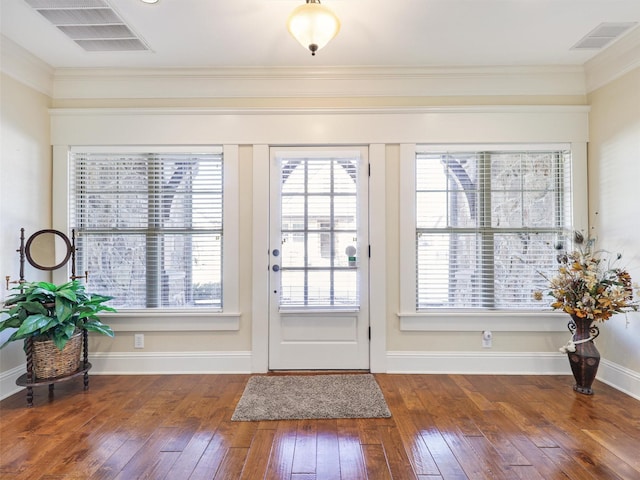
<point>260,283</point>
<point>304,334</point>
<point>377,264</point>
<point>378,261</point>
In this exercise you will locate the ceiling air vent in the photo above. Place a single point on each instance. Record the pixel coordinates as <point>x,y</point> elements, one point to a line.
<point>92,24</point>
<point>603,35</point>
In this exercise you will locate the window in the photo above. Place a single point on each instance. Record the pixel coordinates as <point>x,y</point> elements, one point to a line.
<point>487,224</point>
<point>149,226</point>
<point>319,211</point>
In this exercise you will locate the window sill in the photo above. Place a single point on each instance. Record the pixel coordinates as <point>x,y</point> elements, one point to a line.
<point>171,321</point>
<point>479,321</point>
<point>318,311</point>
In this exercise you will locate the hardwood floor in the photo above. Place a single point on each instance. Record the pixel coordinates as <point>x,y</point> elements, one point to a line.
<point>442,427</point>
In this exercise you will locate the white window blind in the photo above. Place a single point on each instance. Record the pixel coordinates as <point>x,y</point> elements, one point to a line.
<point>148,227</point>
<point>319,220</point>
<point>487,224</point>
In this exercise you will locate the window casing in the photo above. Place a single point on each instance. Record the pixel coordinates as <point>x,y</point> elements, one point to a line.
<point>487,224</point>
<point>149,226</point>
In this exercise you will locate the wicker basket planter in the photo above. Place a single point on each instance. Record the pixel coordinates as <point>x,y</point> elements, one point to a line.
<point>49,362</point>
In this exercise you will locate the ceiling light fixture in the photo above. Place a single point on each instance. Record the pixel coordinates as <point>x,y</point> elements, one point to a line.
<point>150,1</point>
<point>313,25</point>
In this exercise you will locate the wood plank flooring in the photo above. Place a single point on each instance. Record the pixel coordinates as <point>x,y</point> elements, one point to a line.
<point>458,427</point>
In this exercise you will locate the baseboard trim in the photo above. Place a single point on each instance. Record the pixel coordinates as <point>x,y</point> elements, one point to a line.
<point>620,378</point>
<point>497,363</point>
<point>508,363</point>
<point>143,363</point>
<point>8,381</point>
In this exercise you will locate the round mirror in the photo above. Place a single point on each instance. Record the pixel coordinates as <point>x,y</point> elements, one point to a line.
<point>48,249</point>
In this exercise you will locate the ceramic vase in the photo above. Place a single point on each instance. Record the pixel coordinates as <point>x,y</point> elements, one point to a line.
<point>586,358</point>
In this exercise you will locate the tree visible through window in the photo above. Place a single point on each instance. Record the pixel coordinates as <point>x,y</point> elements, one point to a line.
<point>487,224</point>
<point>149,227</point>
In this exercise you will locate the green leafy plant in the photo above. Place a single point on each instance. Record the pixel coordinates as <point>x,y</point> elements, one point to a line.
<point>56,312</point>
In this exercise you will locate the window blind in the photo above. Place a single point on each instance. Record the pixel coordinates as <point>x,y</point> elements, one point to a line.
<point>488,223</point>
<point>319,220</point>
<point>148,227</point>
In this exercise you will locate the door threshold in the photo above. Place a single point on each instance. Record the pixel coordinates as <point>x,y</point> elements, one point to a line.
<point>314,372</point>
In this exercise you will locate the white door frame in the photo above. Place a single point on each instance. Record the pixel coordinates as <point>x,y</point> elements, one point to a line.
<point>319,337</point>
<point>377,264</point>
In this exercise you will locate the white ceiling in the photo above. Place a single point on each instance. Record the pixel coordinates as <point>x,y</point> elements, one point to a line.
<point>252,33</point>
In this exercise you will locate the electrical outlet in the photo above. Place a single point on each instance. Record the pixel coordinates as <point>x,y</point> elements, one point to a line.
<point>138,340</point>
<point>487,337</point>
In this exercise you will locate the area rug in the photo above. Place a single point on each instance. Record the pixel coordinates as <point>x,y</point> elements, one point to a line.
<point>311,396</point>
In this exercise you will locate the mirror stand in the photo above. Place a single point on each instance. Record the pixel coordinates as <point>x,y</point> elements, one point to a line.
<point>39,249</point>
<point>21,253</point>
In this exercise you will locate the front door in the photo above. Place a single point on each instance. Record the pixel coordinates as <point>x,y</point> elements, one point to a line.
<point>319,262</point>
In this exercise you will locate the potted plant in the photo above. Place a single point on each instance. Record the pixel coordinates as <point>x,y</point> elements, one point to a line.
<point>54,316</point>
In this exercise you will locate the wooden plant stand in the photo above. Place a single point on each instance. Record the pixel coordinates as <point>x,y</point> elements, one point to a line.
<point>29,379</point>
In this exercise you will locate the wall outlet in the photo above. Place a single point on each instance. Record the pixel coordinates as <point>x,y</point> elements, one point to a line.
<point>138,340</point>
<point>487,337</point>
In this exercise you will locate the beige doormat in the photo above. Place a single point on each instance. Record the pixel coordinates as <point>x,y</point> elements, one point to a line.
<point>311,396</point>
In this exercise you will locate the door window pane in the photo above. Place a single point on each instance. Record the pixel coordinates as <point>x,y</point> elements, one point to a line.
<point>318,222</point>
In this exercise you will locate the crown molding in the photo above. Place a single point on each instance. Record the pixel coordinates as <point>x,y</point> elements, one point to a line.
<point>214,111</point>
<point>287,82</point>
<point>24,67</point>
<point>335,82</point>
<point>612,63</point>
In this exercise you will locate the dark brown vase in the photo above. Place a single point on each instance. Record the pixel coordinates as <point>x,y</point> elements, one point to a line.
<point>585,360</point>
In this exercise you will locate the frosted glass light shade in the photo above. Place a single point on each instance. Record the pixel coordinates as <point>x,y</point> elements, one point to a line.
<point>313,25</point>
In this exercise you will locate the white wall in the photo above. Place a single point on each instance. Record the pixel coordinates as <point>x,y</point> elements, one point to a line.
<point>614,206</point>
<point>25,153</point>
<point>529,347</point>
<point>25,193</point>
